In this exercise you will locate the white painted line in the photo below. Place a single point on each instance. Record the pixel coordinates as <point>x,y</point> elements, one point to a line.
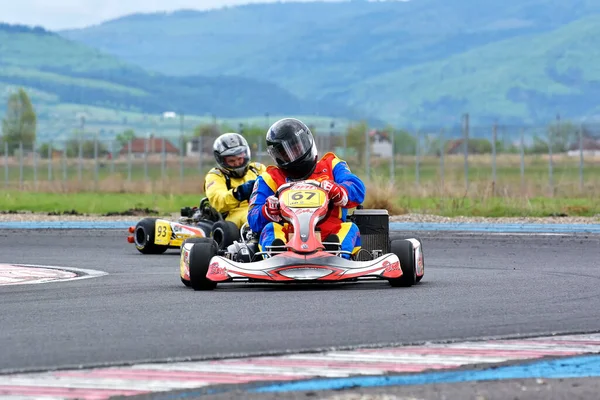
<point>84,274</point>
<point>98,383</point>
<point>249,369</point>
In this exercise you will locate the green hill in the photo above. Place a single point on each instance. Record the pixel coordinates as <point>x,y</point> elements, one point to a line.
<point>66,72</point>
<point>330,50</point>
<point>529,78</point>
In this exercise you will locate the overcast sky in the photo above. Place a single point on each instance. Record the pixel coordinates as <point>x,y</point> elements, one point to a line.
<point>62,14</point>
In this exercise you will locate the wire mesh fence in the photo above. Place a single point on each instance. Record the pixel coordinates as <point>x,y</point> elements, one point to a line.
<point>556,160</point>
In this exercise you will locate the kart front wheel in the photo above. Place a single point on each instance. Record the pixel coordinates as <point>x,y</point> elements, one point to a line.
<point>404,249</point>
<point>202,251</point>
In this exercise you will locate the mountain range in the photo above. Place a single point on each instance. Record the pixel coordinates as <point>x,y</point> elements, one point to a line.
<point>421,61</point>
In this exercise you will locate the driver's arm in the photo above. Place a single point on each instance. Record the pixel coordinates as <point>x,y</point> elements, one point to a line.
<point>219,197</point>
<point>352,183</point>
<point>258,198</point>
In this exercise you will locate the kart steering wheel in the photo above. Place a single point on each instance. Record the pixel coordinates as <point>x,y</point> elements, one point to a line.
<point>312,182</point>
<point>288,184</point>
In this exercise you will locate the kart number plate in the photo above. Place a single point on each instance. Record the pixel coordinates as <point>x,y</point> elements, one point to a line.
<point>304,198</point>
<point>162,233</point>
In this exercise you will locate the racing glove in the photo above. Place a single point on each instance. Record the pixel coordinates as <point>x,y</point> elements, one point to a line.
<point>337,193</point>
<point>271,209</point>
<point>243,191</point>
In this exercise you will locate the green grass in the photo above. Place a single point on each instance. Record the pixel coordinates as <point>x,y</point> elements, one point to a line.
<point>93,203</point>
<point>103,203</point>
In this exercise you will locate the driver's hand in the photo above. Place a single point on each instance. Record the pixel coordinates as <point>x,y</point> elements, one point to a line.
<point>271,209</point>
<point>337,193</point>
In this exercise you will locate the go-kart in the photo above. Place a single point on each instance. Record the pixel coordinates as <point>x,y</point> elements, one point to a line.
<point>305,257</point>
<point>157,235</point>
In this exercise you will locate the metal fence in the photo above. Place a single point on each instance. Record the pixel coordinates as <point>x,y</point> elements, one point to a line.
<point>499,160</point>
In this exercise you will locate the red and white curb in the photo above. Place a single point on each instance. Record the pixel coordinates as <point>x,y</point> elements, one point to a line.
<point>28,274</point>
<point>102,383</point>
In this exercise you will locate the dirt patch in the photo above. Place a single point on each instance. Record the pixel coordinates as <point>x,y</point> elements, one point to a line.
<point>134,212</point>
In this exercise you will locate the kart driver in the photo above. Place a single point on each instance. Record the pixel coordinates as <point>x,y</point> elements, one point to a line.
<point>292,146</point>
<point>229,185</point>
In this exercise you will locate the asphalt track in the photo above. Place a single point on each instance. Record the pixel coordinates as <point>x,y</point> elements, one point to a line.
<point>475,286</point>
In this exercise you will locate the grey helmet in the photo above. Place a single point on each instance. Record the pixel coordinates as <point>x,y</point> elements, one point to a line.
<point>232,144</point>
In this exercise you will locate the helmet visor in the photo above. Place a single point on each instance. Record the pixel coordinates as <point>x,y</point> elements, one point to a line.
<point>290,150</point>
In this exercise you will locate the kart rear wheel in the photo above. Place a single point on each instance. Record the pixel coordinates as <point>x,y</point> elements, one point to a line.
<point>224,233</point>
<point>398,236</point>
<point>404,249</point>
<point>199,258</point>
<point>144,237</point>
<point>423,257</point>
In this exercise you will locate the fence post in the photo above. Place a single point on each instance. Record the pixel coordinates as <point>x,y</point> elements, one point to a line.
<point>522,161</point>
<point>200,149</point>
<point>442,154</point>
<point>367,154</point>
<point>6,176</point>
<point>64,163</point>
<point>49,162</point>
<point>80,160</point>
<point>129,161</point>
<point>96,162</point>
<point>111,151</point>
<point>163,160</point>
<point>181,155</point>
<point>581,158</point>
<point>494,136</point>
<point>393,159</point>
<point>35,171</point>
<point>466,150</point>
<point>21,165</point>
<point>146,159</point>
<point>418,158</point>
<point>550,163</point>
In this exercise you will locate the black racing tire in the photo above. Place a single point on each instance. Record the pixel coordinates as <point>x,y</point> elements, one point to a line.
<point>405,251</point>
<point>225,233</point>
<point>144,237</point>
<point>199,258</point>
<point>186,282</point>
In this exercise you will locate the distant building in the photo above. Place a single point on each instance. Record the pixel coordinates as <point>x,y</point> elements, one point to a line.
<point>381,145</point>
<point>590,146</point>
<point>150,146</point>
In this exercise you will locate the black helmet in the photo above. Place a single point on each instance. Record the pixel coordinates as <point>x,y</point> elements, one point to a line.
<point>292,146</point>
<point>232,144</point>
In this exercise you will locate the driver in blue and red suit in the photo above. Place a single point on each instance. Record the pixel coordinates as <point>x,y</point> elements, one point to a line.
<point>292,147</point>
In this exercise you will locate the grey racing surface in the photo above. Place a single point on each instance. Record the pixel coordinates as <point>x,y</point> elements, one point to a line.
<point>475,285</point>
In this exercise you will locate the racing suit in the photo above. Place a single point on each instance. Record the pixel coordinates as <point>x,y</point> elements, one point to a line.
<point>219,188</point>
<point>330,167</point>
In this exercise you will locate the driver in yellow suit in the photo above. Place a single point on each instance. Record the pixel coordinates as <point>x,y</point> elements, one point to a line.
<point>229,186</point>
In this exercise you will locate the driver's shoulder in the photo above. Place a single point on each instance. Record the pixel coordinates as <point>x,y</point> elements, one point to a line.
<point>215,171</point>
